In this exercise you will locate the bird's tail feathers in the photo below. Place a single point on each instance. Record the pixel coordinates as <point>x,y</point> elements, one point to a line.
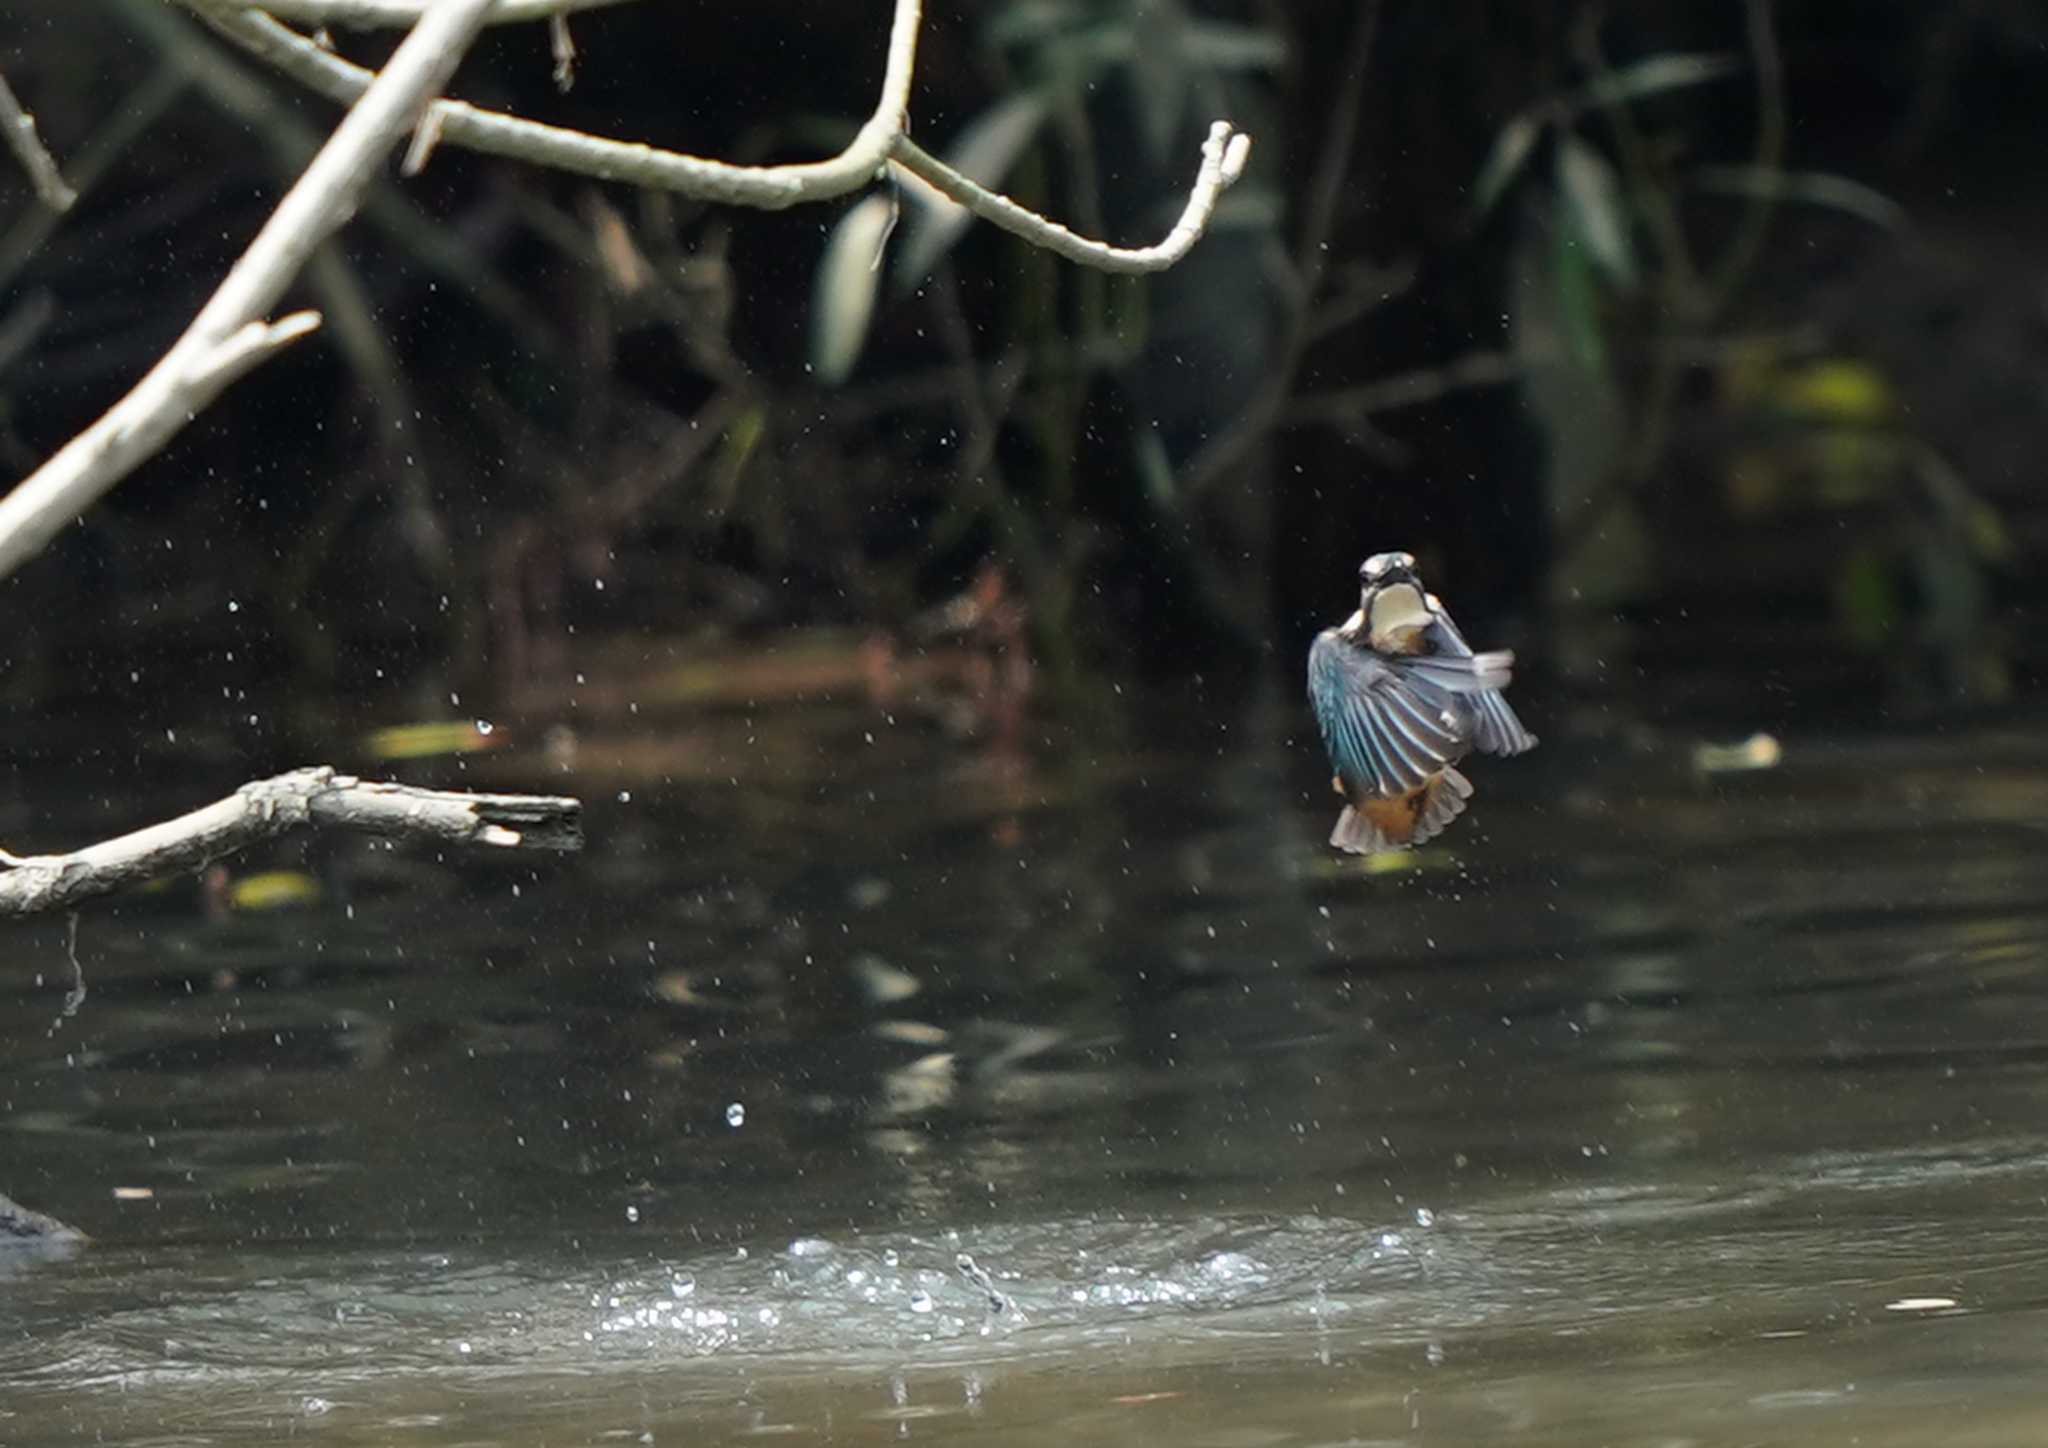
<point>1447,795</point>
<point>1412,819</point>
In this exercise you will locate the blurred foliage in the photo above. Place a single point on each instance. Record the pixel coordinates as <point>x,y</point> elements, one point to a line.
<point>1910,581</point>
<point>1042,376</point>
<point>1557,295</point>
<point>1642,283</point>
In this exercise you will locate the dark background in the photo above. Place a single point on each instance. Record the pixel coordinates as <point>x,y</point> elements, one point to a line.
<point>1696,1071</point>
<point>1803,432</point>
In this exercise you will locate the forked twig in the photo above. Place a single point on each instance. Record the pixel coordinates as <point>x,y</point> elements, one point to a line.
<point>231,334</point>
<point>18,128</point>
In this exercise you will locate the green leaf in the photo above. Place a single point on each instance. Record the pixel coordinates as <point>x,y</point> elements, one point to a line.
<point>1504,162</point>
<point>1595,209</point>
<point>1654,76</point>
<point>1578,300</point>
<point>1220,46</point>
<point>1024,23</point>
<point>1817,188</point>
<point>1155,471</point>
<point>843,295</point>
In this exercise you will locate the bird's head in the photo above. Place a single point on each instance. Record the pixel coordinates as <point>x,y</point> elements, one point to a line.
<point>1384,568</point>
<point>1392,607</point>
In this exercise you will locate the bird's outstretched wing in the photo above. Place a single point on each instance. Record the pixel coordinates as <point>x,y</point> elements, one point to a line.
<point>1383,737</point>
<point>1495,729</point>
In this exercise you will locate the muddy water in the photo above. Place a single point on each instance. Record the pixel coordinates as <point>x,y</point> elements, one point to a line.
<point>873,1089</point>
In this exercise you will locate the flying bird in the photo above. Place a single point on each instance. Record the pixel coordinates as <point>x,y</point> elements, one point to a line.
<point>1400,698</point>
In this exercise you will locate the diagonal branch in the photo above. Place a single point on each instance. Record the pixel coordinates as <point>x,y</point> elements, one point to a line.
<point>372,14</point>
<point>884,138</point>
<point>18,129</point>
<point>1223,160</point>
<point>769,188</point>
<point>231,332</point>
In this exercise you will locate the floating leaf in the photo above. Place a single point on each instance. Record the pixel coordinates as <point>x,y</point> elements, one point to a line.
<point>431,738</point>
<point>881,982</point>
<point>1759,751</point>
<point>274,890</point>
<point>843,298</point>
<point>1594,208</point>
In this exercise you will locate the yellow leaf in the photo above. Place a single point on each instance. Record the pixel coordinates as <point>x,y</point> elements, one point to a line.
<point>1838,389</point>
<point>432,737</point>
<point>274,890</point>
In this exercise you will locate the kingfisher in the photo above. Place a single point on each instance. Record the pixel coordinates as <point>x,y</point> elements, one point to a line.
<point>1400,698</point>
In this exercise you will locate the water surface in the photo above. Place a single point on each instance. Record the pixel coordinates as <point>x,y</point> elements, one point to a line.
<point>859,1084</point>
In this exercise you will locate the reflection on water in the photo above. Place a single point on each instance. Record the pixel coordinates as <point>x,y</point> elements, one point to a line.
<point>872,1089</point>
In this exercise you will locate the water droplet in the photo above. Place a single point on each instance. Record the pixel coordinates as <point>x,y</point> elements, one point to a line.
<point>736,1115</point>
<point>889,1258</point>
<point>1424,1217</point>
<point>632,1214</point>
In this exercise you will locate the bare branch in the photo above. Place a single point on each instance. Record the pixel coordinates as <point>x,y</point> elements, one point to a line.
<point>20,130</point>
<point>243,89</point>
<point>315,797</point>
<point>397,14</point>
<point>883,138</point>
<point>248,345</point>
<point>1223,160</point>
<point>768,188</point>
<point>219,346</point>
